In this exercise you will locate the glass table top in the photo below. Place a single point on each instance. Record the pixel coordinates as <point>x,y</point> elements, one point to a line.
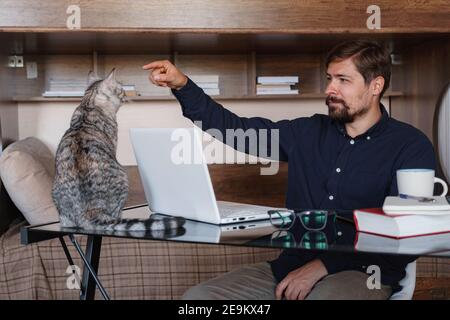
<point>337,234</point>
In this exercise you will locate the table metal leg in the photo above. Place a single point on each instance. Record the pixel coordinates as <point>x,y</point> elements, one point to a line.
<point>91,261</point>
<point>66,251</point>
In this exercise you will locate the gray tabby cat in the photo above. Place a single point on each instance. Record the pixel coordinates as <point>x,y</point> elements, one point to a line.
<point>90,186</point>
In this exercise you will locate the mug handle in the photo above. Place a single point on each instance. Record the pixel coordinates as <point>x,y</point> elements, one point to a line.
<point>444,185</point>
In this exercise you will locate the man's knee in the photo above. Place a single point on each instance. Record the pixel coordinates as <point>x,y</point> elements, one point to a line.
<point>249,282</point>
<point>198,292</point>
<point>347,285</point>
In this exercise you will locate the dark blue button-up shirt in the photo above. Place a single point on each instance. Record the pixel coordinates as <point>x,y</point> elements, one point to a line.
<point>328,169</point>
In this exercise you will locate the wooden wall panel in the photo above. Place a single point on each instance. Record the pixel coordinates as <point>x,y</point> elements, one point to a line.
<point>8,132</point>
<point>129,71</point>
<point>426,71</point>
<point>306,66</point>
<point>8,109</point>
<point>56,67</point>
<point>231,182</point>
<point>307,16</point>
<point>231,69</point>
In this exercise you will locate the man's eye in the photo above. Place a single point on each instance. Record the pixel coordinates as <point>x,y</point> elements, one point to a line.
<point>343,80</point>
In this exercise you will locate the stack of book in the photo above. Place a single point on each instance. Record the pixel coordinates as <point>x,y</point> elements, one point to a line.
<point>277,85</point>
<point>428,244</point>
<point>130,90</point>
<point>65,88</point>
<point>209,83</point>
<point>404,218</point>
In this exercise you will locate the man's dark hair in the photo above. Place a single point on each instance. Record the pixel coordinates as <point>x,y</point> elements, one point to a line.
<point>371,58</point>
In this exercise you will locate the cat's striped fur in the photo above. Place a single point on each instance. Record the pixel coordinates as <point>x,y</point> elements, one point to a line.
<point>90,187</point>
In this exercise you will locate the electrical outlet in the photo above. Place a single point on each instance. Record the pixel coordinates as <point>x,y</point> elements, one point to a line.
<point>12,61</point>
<point>15,61</point>
<point>19,61</point>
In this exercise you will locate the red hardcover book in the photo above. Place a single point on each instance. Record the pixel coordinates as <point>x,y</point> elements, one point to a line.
<point>375,221</point>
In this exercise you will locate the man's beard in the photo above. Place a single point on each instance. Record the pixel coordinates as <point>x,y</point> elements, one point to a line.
<point>342,114</point>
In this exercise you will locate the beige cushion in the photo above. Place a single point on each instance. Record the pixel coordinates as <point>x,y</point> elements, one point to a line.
<point>27,168</point>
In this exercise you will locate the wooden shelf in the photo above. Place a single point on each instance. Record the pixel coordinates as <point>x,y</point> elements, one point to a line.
<point>162,98</point>
<point>237,73</point>
<point>307,17</point>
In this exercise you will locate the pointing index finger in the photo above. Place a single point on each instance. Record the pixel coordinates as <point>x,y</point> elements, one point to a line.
<point>154,64</point>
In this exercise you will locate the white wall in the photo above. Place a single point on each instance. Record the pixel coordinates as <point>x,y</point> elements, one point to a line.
<point>49,120</point>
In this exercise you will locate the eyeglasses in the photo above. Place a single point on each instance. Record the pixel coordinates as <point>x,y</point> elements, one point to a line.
<point>310,240</point>
<point>284,238</point>
<point>314,240</point>
<point>313,220</point>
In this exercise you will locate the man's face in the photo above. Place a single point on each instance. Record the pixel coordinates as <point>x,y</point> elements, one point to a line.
<point>347,94</point>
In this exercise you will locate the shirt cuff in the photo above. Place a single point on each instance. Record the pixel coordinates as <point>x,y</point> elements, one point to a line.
<point>189,89</point>
<point>333,263</point>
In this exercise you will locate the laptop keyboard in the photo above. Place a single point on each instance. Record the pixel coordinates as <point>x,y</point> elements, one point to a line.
<point>230,209</point>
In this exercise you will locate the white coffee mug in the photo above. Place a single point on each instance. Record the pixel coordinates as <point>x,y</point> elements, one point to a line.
<point>418,182</point>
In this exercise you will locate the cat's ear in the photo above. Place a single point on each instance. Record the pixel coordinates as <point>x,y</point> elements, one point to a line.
<point>111,76</point>
<point>92,77</point>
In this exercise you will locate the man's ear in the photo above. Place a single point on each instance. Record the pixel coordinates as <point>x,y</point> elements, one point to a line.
<point>378,85</point>
<point>92,77</point>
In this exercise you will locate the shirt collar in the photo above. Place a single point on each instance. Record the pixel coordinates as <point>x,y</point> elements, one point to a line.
<point>373,131</point>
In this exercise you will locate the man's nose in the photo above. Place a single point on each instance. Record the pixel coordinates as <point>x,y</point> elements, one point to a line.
<point>330,89</point>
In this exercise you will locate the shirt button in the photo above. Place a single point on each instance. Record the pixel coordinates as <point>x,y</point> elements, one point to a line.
<point>352,141</point>
<point>331,197</point>
<point>368,138</point>
<point>338,169</point>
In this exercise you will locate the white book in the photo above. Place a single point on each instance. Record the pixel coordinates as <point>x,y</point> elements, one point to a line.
<point>259,92</point>
<point>375,221</point>
<point>66,83</point>
<point>129,87</point>
<point>276,90</point>
<point>212,92</point>
<point>277,79</point>
<point>69,85</point>
<point>204,78</point>
<point>399,206</point>
<point>52,94</point>
<point>208,85</point>
<point>276,87</point>
<point>437,243</point>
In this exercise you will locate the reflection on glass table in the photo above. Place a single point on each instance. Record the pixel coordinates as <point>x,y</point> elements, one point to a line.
<point>304,230</point>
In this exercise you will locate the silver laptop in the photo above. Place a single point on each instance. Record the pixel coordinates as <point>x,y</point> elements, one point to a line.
<point>176,179</point>
<point>210,233</point>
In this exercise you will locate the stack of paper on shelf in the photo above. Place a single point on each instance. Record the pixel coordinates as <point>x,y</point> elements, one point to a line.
<point>65,88</point>
<point>209,83</point>
<point>130,90</point>
<point>277,85</point>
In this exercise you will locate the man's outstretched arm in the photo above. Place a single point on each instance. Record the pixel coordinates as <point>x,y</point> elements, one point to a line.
<point>199,107</point>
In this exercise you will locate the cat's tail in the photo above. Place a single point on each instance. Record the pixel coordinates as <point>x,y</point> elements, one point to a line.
<point>154,223</point>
